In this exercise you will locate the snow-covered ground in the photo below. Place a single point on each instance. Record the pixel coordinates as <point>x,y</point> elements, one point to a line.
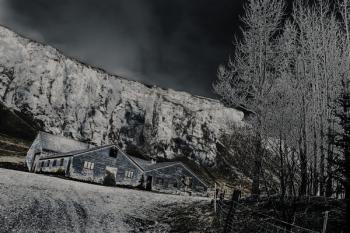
<point>37,203</point>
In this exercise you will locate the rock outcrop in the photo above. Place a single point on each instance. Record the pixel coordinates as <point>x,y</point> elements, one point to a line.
<point>69,98</point>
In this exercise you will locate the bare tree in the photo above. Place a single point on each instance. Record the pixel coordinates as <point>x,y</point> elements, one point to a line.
<point>248,78</point>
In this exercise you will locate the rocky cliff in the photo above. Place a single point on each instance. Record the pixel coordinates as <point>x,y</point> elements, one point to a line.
<point>69,98</point>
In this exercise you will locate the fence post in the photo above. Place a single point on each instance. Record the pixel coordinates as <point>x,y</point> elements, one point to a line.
<point>215,198</point>
<point>235,197</point>
<point>325,220</point>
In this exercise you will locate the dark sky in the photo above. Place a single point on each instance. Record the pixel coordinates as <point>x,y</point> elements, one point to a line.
<point>174,44</point>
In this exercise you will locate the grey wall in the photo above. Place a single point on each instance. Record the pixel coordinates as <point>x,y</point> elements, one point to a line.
<point>124,164</point>
<point>34,148</point>
<point>175,174</point>
<point>51,168</point>
<point>101,160</point>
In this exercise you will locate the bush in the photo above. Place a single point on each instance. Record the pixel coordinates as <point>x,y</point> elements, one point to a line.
<point>60,172</point>
<point>109,179</point>
<point>142,183</point>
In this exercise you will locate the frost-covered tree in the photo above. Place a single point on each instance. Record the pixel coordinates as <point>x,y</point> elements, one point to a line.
<point>319,54</point>
<point>343,113</point>
<point>250,75</point>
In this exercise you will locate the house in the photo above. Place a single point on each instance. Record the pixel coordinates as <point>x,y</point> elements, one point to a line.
<point>173,177</point>
<point>98,164</point>
<point>46,145</point>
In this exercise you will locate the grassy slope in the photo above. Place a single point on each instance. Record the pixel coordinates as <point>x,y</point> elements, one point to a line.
<point>16,124</point>
<point>37,203</point>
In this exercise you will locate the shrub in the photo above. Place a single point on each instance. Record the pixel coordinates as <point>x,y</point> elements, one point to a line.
<point>109,179</point>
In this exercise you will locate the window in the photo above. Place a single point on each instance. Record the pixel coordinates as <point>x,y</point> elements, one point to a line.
<point>54,163</point>
<point>61,162</point>
<point>112,170</point>
<point>42,164</point>
<point>113,153</point>
<point>89,165</point>
<point>159,181</point>
<point>188,181</point>
<point>166,182</point>
<point>48,163</point>
<point>129,174</point>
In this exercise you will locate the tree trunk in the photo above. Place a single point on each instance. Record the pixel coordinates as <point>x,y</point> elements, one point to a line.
<point>303,170</point>
<point>329,185</point>
<point>257,166</point>
<point>346,143</point>
<point>347,164</point>
<point>322,159</point>
<point>302,152</point>
<point>315,176</point>
<point>282,173</point>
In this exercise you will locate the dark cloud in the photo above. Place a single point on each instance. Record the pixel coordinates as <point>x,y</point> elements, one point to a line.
<point>174,43</point>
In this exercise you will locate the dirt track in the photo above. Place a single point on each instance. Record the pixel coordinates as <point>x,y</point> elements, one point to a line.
<point>37,203</point>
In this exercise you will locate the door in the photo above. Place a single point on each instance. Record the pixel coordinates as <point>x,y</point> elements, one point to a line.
<point>113,170</point>
<point>149,183</point>
<point>68,167</point>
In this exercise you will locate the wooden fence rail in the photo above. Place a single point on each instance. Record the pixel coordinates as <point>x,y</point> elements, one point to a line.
<point>228,218</point>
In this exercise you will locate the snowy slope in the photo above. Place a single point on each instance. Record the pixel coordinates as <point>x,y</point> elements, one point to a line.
<point>76,100</point>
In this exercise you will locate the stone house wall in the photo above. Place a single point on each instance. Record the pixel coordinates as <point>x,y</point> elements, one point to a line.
<point>101,161</point>
<point>175,179</point>
<point>53,165</point>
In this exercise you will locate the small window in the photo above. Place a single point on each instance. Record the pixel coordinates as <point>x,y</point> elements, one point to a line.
<point>54,163</point>
<point>48,163</point>
<point>129,174</point>
<point>42,164</point>
<point>61,162</point>
<point>89,165</point>
<point>188,181</point>
<point>113,153</point>
<point>166,182</point>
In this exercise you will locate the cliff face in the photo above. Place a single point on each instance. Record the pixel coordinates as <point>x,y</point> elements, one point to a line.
<point>69,98</point>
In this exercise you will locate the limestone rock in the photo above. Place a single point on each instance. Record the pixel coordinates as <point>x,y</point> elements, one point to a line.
<point>76,100</point>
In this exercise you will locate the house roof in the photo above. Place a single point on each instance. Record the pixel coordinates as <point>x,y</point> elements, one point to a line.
<point>144,164</point>
<point>60,144</point>
<point>76,152</point>
<point>168,164</point>
<point>160,165</point>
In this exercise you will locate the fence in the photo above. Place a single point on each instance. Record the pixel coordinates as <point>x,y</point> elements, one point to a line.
<point>231,217</point>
